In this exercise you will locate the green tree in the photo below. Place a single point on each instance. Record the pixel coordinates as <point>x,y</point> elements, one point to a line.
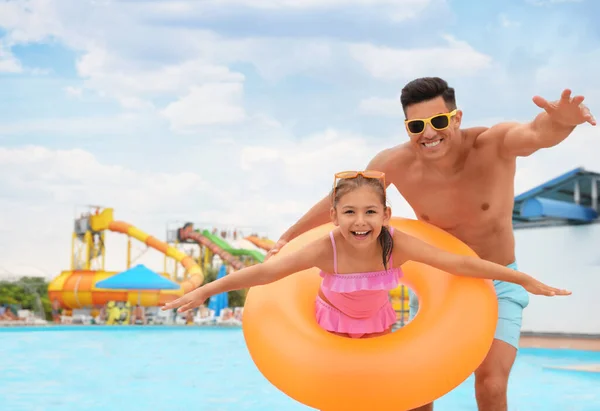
<point>29,293</point>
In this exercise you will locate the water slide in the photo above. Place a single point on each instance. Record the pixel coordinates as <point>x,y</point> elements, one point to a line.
<point>187,233</point>
<point>243,243</point>
<point>238,252</point>
<point>76,289</point>
<point>263,243</point>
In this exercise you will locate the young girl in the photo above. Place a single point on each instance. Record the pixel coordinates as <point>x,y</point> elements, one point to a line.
<point>360,262</point>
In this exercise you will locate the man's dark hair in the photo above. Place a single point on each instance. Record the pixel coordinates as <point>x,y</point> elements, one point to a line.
<point>427,88</point>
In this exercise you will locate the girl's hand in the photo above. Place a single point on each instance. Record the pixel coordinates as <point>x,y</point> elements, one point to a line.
<point>190,300</point>
<point>538,288</point>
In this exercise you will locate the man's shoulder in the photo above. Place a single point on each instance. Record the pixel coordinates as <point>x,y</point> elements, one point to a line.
<point>488,141</point>
<point>482,137</point>
<point>492,135</point>
<point>401,154</point>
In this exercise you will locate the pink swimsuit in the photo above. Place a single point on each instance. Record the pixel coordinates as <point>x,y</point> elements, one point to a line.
<point>362,304</point>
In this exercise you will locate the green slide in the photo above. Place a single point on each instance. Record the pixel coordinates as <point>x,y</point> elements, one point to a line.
<point>238,252</point>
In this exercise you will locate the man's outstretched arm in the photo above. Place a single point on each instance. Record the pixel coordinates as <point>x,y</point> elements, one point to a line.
<point>316,216</point>
<point>319,214</point>
<point>548,129</point>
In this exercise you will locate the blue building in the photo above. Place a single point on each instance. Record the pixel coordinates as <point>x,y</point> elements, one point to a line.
<point>558,241</point>
<point>569,199</point>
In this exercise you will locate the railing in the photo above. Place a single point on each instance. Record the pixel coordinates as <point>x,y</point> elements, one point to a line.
<point>403,313</point>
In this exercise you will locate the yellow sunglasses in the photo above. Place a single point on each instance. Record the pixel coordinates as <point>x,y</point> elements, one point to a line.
<point>437,122</point>
<point>343,175</point>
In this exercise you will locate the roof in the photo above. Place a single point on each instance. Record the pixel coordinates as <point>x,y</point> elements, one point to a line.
<point>139,277</point>
<point>571,198</point>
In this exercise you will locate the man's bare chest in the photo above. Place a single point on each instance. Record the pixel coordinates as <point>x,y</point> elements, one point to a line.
<point>473,198</point>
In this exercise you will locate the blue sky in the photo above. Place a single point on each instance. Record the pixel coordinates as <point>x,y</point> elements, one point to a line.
<point>238,112</point>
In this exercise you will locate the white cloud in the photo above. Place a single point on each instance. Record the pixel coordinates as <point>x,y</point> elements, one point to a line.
<point>379,106</point>
<point>275,58</point>
<point>81,127</point>
<point>119,62</point>
<point>76,176</point>
<point>8,62</point>
<point>110,72</point>
<point>458,58</point>
<point>562,70</point>
<point>29,21</point>
<point>121,57</point>
<point>209,104</point>
<point>131,82</point>
<point>398,9</point>
<point>73,91</point>
<point>313,158</point>
<point>252,155</point>
<point>506,21</point>
<point>192,87</point>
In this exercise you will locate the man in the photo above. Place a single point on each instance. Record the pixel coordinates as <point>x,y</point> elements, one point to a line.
<point>463,182</point>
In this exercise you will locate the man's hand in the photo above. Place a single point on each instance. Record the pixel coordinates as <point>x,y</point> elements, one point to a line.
<point>276,248</point>
<point>567,111</point>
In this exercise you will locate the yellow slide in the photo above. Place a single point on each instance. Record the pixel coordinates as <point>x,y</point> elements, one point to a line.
<point>76,289</point>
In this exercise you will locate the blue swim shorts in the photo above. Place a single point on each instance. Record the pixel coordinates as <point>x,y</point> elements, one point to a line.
<point>512,300</point>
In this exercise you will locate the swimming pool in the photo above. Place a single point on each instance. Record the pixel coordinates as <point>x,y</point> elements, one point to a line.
<point>209,369</point>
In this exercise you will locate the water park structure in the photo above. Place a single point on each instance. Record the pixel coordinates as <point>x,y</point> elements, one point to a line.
<point>212,244</point>
<point>76,288</point>
<point>263,243</point>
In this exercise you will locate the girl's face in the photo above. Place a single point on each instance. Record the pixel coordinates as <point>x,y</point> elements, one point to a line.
<point>360,215</point>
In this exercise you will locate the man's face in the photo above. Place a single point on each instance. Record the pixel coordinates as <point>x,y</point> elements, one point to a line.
<point>432,137</point>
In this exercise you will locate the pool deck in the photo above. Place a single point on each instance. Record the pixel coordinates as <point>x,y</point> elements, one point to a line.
<point>593,368</point>
<point>574,343</point>
<point>557,342</point>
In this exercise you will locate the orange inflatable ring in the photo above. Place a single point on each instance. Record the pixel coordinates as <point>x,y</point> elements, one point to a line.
<point>415,365</point>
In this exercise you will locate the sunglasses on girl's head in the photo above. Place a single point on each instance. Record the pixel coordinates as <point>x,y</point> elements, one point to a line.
<point>365,174</point>
<point>437,122</point>
<point>379,175</point>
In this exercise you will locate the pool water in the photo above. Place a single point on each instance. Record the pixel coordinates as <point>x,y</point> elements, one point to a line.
<point>209,369</point>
